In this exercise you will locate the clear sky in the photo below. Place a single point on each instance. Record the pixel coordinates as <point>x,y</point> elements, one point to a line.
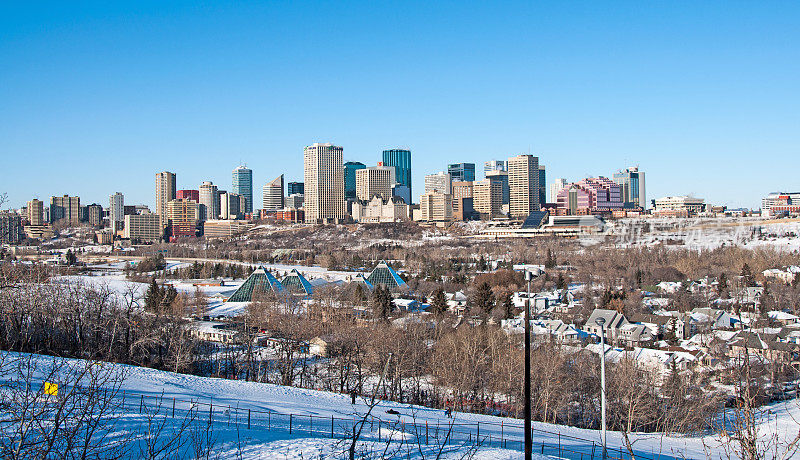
<point>97,97</point>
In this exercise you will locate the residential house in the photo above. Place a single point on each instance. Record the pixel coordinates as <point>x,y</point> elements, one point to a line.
<point>613,322</point>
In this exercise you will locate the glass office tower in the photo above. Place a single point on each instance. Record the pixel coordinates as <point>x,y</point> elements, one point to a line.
<point>462,172</point>
<point>401,160</point>
<point>350,169</point>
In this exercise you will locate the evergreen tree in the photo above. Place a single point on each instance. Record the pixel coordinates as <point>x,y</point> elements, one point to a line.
<point>170,293</point>
<point>550,262</point>
<point>561,283</point>
<point>722,282</point>
<point>482,264</point>
<point>439,303</point>
<point>508,306</point>
<point>160,263</point>
<point>484,298</point>
<point>152,298</point>
<point>381,302</point>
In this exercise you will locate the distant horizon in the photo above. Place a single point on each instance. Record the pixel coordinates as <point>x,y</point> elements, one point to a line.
<point>98,99</point>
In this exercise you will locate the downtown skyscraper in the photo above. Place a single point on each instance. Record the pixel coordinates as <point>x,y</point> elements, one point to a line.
<point>324,183</point>
<point>242,184</point>
<point>633,190</point>
<point>116,211</point>
<point>462,172</point>
<point>165,192</point>
<point>350,169</point>
<point>272,195</point>
<point>400,159</point>
<point>523,185</point>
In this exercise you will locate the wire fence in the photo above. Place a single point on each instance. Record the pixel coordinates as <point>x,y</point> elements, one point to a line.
<point>376,429</point>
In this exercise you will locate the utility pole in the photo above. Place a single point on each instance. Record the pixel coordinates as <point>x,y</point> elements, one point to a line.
<point>531,272</point>
<point>602,322</point>
<point>527,383</point>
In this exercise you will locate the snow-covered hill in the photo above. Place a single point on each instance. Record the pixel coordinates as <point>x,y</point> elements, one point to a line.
<point>260,420</point>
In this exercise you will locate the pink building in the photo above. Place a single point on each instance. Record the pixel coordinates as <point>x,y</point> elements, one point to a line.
<point>193,195</point>
<point>591,195</point>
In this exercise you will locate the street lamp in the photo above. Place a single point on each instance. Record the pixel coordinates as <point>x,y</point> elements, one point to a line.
<point>531,272</point>
<point>602,322</point>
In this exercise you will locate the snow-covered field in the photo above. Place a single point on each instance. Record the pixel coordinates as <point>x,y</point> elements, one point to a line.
<point>254,419</point>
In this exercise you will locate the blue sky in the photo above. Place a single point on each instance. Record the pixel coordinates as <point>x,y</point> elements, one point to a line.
<point>98,97</point>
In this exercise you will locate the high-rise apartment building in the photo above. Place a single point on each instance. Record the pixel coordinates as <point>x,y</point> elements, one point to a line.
<point>295,188</point>
<point>374,181</point>
<point>193,195</point>
<point>36,212</point>
<point>242,184</point>
<point>439,182</point>
<point>494,165</point>
<point>65,209</point>
<point>436,206</point>
<point>487,197</point>
<point>324,183</point>
<point>542,186</point>
<point>94,214</point>
<point>462,172</point>
<point>144,228</point>
<point>523,185</point>
<point>10,228</point>
<point>400,160</point>
<point>165,192</point>
<point>272,195</point>
<point>558,185</point>
<point>182,215</point>
<point>116,211</point>
<point>350,169</point>
<point>632,182</point>
<point>209,201</point>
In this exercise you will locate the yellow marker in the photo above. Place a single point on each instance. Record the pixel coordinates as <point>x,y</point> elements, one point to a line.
<point>51,389</point>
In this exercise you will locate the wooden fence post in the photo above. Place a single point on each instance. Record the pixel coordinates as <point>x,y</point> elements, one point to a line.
<point>248,419</point>
<point>173,407</point>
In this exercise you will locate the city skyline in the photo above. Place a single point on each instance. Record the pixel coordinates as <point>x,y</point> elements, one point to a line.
<point>589,89</point>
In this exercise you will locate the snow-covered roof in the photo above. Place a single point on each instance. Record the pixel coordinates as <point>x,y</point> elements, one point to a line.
<point>782,316</point>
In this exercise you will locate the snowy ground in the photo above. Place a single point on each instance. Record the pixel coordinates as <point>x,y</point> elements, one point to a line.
<point>704,233</point>
<point>315,413</point>
<point>109,274</point>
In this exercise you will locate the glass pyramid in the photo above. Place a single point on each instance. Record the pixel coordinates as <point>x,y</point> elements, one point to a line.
<point>259,281</point>
<point>297,283</point>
